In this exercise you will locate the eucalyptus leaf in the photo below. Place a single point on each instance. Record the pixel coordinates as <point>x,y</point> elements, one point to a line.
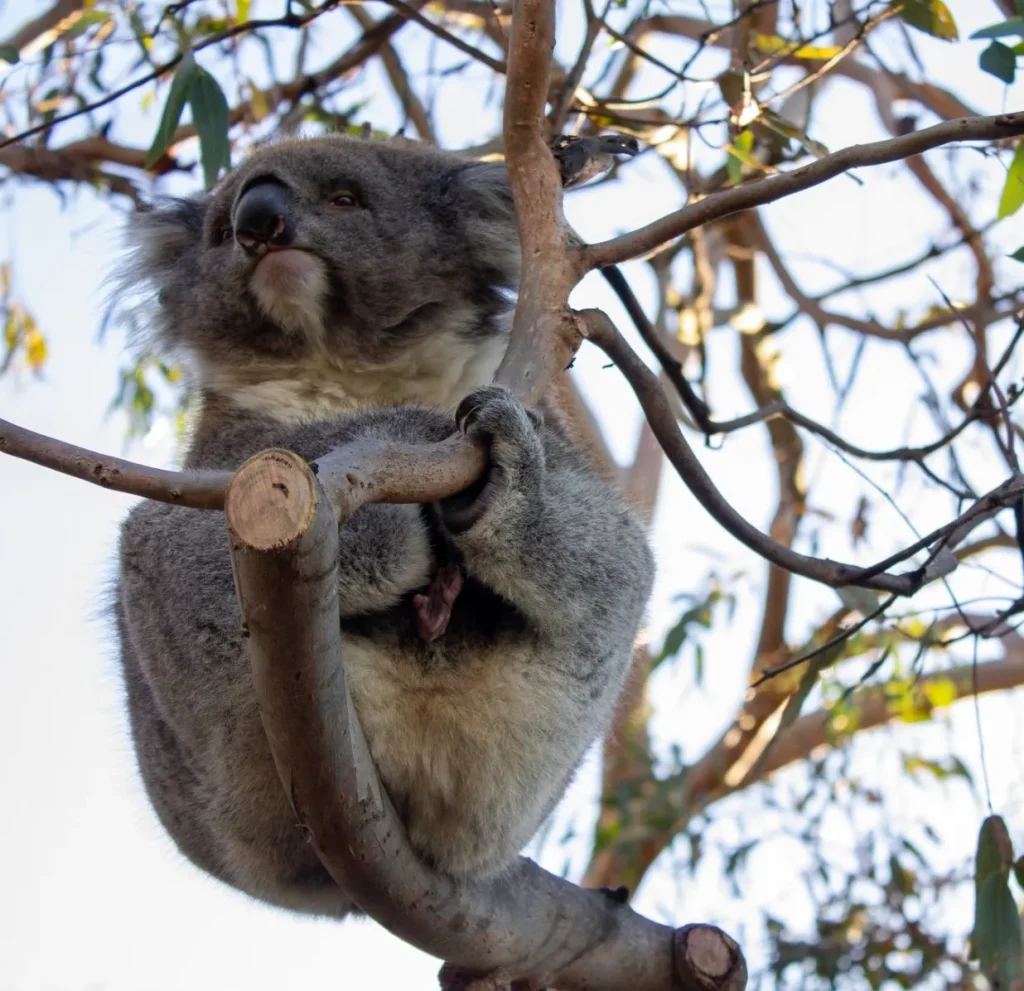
<point>210,115</point>
<point>862,600</point>
<point>998,60</point>
<point>931,16</point>
<point>1012,197</point>
<point>181,86</point>
<point>996,936</point>
<point>1012,27</point>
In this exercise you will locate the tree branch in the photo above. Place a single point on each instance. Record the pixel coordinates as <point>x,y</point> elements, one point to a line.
<point>527,923</point>
<point>199,490</point>
<point>776,187</point>
<point>70,161</point>
<point>544,334</point>
<point>287,21</point>
<point>599,330</point>
<point>399,78</point>
<point>872,709</point>
<point>46,21</point>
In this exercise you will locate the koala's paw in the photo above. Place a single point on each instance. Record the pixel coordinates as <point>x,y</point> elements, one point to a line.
<point>516,455</point>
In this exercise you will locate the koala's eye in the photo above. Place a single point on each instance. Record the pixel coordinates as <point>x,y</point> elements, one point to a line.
<point>343,198</point>
<point>224,235</point>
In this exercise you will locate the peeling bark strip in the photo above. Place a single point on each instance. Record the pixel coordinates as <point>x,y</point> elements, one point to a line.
<point>527,924</point>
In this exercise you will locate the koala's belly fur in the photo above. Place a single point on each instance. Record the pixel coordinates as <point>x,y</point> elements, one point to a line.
<point>460,747</point>
<point>473,735</point>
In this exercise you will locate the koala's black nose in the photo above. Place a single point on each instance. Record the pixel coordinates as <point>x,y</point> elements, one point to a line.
<point>263,218</point>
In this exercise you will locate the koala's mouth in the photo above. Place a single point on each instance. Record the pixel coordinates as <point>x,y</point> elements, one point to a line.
<point>290,285</point>
<point>286,271</point>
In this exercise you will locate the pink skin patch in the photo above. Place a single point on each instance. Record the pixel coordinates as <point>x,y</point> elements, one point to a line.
<point>434,610</point>
<point>285,271</point>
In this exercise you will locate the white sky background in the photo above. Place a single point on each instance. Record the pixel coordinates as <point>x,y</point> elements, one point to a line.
<point>94,895</point>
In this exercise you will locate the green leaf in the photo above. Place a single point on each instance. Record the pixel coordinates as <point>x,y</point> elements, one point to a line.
<point>9,54</point>
<point>857,599</point>
<point>1018,867</point>
<point>998,60</point>
<point>941,769</point>
<point>1011,26</point>
<point>1018,255</point>
<point>931,16</point>
<point>739,155</point>
<point>699,614</point>
<point>995,851</point>
<point>996,936</point>
<point>242,10</point>
<point>1013,192</point>
<point>181,85</point>
<point>1020,7</point>
<point>788,129</point>
<point>211,117</point>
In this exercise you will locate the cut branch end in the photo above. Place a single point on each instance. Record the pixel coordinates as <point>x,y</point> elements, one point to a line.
<point>271,501</point>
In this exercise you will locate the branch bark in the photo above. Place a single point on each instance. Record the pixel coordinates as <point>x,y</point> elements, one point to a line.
<point>768,190</point>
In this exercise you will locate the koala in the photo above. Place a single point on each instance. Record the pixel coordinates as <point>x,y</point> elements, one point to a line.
<point>336,289</point>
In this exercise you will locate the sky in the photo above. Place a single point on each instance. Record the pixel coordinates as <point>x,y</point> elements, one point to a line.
<point>95,896</point>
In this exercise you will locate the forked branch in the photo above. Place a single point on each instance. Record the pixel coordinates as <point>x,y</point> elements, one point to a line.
<point>525,924</point>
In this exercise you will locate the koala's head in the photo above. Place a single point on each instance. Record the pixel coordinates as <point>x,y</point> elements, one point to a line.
<point>334,257</point>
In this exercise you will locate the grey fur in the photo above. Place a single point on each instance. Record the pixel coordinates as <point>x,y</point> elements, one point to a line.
<point>475,734</point>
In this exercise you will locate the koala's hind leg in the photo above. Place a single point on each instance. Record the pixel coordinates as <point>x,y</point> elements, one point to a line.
<point>384,552</point>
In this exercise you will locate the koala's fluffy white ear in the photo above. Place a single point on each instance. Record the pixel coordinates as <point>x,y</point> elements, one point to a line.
<point>162,234</point>
<point>159,239</point>
<point>487,212</point>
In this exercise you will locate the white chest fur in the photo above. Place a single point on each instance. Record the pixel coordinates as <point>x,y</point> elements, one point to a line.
<point>437,372</point>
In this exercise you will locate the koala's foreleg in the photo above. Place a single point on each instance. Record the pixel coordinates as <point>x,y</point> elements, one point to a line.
<point>546,533</point>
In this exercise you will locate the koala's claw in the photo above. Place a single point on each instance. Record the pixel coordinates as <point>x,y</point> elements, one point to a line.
<point>468,409</point>
<point>511,428</point>
<point>434,609</point>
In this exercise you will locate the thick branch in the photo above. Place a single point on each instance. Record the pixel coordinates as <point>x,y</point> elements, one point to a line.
<point>527,923</point>
<point>704,782</point>
<point>778,186</point>
<point>543,333</point>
